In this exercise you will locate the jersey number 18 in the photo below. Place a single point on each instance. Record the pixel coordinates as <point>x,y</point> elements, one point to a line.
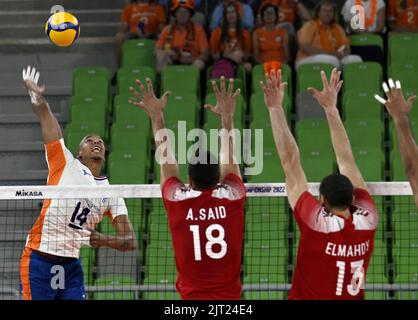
<point>211,240</point>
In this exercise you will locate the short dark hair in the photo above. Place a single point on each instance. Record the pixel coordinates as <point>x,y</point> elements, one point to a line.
<point>205,172</point>
<point>337,191</point>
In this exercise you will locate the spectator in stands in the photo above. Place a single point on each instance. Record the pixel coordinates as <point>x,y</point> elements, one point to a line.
<point>141,19</point>
<point>403,15</point>
<point>289,10</point>
<point>374,14</point>
<point>398,108</point>
<point>231,44</point>
<point>183,42</point>
<point>374,23</point>
<point>244,10</point>
<point>323,40</point>
<point>64,226</point>
<point>198,16</point>
<point>270,42</point>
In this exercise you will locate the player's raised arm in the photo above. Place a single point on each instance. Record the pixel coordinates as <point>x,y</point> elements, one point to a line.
<point>154,108</point>
<point>286,146</point>
<point>225,108</point>
<point>327,98</point>
<point>51,130</point>
<point>399,108</point>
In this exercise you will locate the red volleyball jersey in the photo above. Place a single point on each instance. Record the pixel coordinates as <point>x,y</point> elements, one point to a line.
<point>207,228</point>
<point>334,253</point>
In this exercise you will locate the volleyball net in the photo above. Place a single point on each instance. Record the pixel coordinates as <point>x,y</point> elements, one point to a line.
<point>269,249</point>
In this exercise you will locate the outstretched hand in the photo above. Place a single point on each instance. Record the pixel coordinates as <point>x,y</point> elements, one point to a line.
<point>396,104</point>
<point>225,98</point>
<point>30,77</point>
<point>274,89</point>
<point>328,97</point>
<point>146,99</point>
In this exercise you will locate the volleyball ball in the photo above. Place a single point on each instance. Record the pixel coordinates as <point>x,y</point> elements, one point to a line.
<point>62,29</point>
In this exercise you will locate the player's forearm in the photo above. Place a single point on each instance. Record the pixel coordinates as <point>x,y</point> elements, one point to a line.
<point>285,142</point>
<point>228,161</point>
<point>51,130</point>
<point>120,242</point>
<point>164,150</point>
<point>408,149</point>
<point>339,138</point>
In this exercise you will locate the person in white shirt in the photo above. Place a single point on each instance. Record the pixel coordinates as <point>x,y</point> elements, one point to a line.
<point>63,226</point>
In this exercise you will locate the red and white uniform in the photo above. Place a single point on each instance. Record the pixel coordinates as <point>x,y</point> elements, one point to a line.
<point>207,228</point>
<point>333,253</point>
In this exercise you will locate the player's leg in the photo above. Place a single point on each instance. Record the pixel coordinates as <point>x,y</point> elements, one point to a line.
<point>74,282</point>
<point>35,277</point>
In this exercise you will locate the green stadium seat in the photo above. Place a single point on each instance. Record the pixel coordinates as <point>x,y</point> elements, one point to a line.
<point>138,159</point>
<point>160,295</point>
<point>266,279</point>
<point>271,170</point>
<point>377,273</point>
<point>126,78</point>
<point>366,39</point>
<point>264,295</point>
<point>124,112</point>
<point>130,136</point>
<point>158,233</point>
<point>181,78</point>
<point>317,168</point>
<point>311,126</point>
<point>407,77</point>
<point>73,139</point>
<point>370,161</point>
<point>308,75</point>
<point>406,264</point>
<point>402,47</point>
<point>160,263</point>
<point>404,71</point>
<point>138,53</point>
<point>362,104</point>
<point>265,262</point>
<point>126,294</point>
<point>365,137</point>
<point>394,138</point>
<point>258,75</point>
<point>259,113</point>
<point>176,111</point>
<point>314,143</point>
<point>370,124</point>
<point>92,81</point>
<point>370,74</point>
<point>397,168</point>
<point>91,99</point>
<point>88,260</point>
<point>85,113</point>
<point>87,128</point>
<point>123,172</point>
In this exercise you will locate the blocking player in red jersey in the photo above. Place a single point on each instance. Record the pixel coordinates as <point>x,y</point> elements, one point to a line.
<point>337,231</point>
<point>206,219</point>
